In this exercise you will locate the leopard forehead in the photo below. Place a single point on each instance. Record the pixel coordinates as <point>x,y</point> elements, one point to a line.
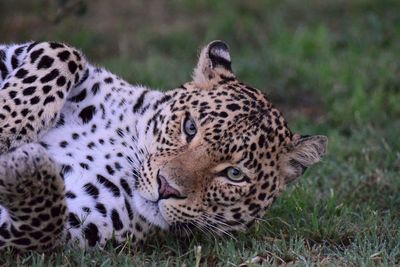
<point>231,110</point>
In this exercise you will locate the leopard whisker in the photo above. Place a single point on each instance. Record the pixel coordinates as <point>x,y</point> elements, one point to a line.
<point>218,226</point>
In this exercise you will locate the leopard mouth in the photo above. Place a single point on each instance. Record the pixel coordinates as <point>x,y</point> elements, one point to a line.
<point>151,209</point>
<point>165,190</point>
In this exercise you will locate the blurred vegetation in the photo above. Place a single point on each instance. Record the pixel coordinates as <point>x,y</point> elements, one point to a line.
<point>332,66</point>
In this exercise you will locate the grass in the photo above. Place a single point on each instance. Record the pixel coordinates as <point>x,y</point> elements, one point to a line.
<point>333,68</point>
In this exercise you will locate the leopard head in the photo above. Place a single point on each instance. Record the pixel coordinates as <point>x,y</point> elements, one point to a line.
<point>220,154</point>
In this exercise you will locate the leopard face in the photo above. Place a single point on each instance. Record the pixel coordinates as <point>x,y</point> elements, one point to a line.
<point>221,153</point>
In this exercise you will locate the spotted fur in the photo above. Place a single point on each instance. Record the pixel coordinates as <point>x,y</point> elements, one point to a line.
<point>86,157</point>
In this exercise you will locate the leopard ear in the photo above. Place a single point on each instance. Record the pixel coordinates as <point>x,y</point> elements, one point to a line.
<point>301,154</point>
<point>214,62</point>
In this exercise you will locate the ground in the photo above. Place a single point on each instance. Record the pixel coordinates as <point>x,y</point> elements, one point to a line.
<point>333,68</point>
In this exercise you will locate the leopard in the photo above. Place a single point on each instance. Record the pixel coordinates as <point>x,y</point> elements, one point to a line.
<point>87,158</point>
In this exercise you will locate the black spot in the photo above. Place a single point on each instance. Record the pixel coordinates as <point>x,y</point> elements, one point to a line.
<point>108,80</point>
<point>76,54</point>
<point>55,211</point>
<point>233,107</point>
<point>12,94</point>
<point>110,170</point>
<point>69,194</point>
<point>21,73</point>
<point>48,100</point>
<point>22,241</point>
<point>46,89</point>
<point>45,239</point>
<point>101,208</point>
<point>50,76</point>
<point>14,62</point>
<point>60,121</point>
<point>49,228</point>
<point>19,50</point>
<point>91,190</point>
<point>91,234</point>
<point>95,88</point>
<point>61,81</point>
<point>60,94</point>
<point>45,62</point>
<point>2,55</point>
<point>64,56</point>
<point>129,209</point>
<point>29,90</point>
<point>35,100</point>
<point>162,101</point>
<point>120,132</point>
<point>25,112</point>
<point>261,196</point>
<point>110,185</point>
<point>79,97</point>
<point>43,144</point>
<point>117,224</point>
<point>84,166</point>
<point>223,114</point>
<point>31,46</point>
<point>86,209</point>
<point>83,79</point>
<point>36,235</point>
<point>63,144</point>
<point>139,102</point>
<point>35,54</point>
<point>55,45</point>
<point>36,222</point>
<point>17,233</point>
<point>91,145</point>
<point>138,227</point>
<point>87,113</point>
<point>4,232</point>
<point>72,66</point>
<point>126,187</point>
<point>74,220</point>
<point>3,70</point>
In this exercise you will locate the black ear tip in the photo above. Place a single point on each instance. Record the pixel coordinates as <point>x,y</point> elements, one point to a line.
<point>218,45</point>
<point>218,52</point>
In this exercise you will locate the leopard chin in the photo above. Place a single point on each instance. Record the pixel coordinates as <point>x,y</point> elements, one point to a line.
<point>150,211</point>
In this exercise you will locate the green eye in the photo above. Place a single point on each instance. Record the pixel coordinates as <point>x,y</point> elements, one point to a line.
<point>234,174</point>
<point>189,127</point>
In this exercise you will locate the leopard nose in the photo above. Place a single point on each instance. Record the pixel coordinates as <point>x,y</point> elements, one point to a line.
<point>165,190</point>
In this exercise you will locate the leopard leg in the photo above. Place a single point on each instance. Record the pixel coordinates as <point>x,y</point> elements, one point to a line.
<point>34,89</point>
<point>33,210</point>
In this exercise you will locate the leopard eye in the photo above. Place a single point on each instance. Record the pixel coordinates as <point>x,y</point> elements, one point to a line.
<point>189,128</point>
<point>234,174</point>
